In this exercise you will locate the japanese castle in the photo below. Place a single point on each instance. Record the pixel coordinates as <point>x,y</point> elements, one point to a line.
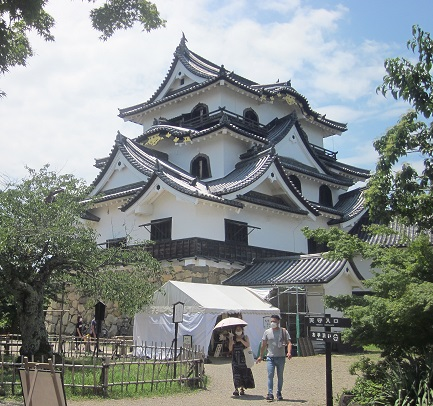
<point>222,176</point>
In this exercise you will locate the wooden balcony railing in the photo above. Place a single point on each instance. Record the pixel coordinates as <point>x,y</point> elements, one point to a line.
<point>212,118</point>
<point>210,249</point>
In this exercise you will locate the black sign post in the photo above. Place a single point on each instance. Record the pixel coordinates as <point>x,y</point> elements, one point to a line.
<point>177,318</point>
<point>328,368</point>
<point>328,337</point>
<point>99,318</point>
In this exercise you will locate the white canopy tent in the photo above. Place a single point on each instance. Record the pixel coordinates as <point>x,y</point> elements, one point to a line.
<point>203,303</point>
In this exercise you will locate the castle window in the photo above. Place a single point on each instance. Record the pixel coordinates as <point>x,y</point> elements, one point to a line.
<point>296,182</point>
<point>251,117</point>
<point>236,231</point>
<point>200,167</point>
<point>325,196</point>
<point>116,242</point>
<point>315,247</point>
<point>200,111</point>
<point>160,230</point>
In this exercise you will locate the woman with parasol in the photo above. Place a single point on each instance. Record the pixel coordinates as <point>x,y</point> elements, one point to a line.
<point>242,375</point>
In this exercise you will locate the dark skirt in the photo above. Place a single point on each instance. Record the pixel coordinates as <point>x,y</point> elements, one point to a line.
<point>242,376</point>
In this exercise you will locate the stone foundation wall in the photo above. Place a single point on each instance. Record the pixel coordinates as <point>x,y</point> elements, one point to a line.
<point>74,305</point>
<point>115,323</point>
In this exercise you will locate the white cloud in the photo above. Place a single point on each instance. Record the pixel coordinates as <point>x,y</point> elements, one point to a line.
<point>62,108</point>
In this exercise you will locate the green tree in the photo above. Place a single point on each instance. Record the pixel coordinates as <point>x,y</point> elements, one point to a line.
<point>406,193</point>
<point>18,18</point>
<point>396,317</point>
<point>44,243</point>
<point>402,302</point>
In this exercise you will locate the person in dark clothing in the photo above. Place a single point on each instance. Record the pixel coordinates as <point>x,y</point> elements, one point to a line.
<point>242,375</point>
<point>78,332</point>
<point>93,328</point>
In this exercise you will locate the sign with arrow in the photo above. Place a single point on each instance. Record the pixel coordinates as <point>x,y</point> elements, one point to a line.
<point>326,336</point>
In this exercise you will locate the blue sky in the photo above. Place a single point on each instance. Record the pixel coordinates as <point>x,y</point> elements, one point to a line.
<point>62,108</point>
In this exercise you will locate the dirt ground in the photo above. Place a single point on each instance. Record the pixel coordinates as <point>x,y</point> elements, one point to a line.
<point>304,384</point>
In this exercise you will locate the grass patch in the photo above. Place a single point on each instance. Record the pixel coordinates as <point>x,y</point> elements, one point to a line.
<point>83,379</point>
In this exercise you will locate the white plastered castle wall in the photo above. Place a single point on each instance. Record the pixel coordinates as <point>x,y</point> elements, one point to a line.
<point>222,149</point>
<point>205,219</point>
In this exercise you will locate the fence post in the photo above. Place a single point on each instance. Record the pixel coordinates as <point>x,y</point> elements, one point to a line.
<point>104,376</point>
<point>7,345</point>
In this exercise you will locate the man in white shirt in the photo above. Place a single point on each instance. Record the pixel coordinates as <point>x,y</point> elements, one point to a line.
<point>275,340</point>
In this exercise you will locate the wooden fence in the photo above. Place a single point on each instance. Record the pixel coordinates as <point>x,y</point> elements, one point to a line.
<point>121,365</point>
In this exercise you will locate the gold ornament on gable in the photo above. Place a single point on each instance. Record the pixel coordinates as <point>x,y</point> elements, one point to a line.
<point>154,139</point>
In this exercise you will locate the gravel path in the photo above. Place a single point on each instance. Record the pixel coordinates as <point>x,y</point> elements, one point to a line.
<point>304,383</point>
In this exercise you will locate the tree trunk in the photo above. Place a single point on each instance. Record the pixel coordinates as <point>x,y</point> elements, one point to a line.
<point>30,309</point>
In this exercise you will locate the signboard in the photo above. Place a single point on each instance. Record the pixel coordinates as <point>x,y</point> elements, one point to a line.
<point>187,341</point>
<point>42,384</point>
<point>178,312</point>
<point>326,336</point>
<point>327,321</point>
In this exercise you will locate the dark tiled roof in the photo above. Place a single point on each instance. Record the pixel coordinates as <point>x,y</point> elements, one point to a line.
<point>90,216</point>
<point>270,201</point>
<point>399,239</point>
<point>304,269</point>
<point>116,193</point>
<point>212,73</point>
<point>182,184</point>
<point>348,169</point>
<point>144,159</point>
<point>234,128</point>
<point>249,170</point>
<point>326,209</point>
<point>296,166</point>
<point>304,137</point>
<point>351,204</point>
<point>165,129</point>
<point>285,89</point>
<point>280,127</point>
<point>245,173</point>
<point>181,132</point>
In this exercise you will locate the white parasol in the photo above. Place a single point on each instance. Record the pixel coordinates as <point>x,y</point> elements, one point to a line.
<point>230,322</point>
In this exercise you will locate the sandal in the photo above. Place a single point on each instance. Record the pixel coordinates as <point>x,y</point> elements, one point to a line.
<point>242,392</point>
<point>236,393</point>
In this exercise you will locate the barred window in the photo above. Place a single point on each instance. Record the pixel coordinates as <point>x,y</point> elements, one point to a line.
<point>325,196</point>
<point>160,229</point>
<point>200,167</point>
<point>236,231</point>
<point>251,116</point>
<point>200,111</point>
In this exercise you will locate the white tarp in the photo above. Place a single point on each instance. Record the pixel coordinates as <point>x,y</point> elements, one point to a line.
<point>203,303</point>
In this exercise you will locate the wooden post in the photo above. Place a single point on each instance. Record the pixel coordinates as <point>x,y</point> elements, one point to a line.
<point>176,329</point>
<point>105,371</point>
<point>328,346</point>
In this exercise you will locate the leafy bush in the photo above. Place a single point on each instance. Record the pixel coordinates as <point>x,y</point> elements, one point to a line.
<point>405,381</point>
